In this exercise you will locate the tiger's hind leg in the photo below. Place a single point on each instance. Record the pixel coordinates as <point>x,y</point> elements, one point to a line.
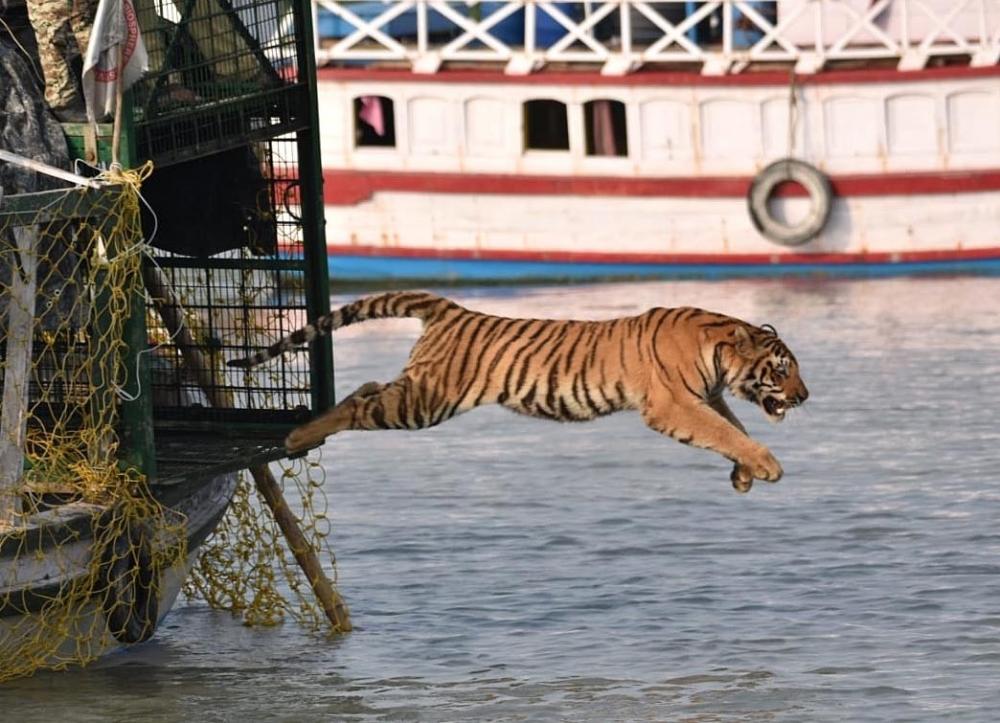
<point>366,390</point>
<point>401,404</point>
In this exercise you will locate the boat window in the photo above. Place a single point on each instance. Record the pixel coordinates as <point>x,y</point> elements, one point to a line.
<point>374,121</point>
<point>604,127</point>
<point>545,126</point>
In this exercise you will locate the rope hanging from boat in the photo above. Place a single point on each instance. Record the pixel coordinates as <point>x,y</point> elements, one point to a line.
<point>784,170</point>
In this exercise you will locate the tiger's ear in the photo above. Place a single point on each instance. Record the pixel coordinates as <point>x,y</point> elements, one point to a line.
<point>743,341</point>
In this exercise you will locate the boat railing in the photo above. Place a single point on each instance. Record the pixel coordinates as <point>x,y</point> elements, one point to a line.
<point>621,36</point>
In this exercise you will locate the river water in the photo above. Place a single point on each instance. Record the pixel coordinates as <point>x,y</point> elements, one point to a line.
<point>504,568</point>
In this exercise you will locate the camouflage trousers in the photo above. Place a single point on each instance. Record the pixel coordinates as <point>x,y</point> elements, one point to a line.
<point>58,26</point>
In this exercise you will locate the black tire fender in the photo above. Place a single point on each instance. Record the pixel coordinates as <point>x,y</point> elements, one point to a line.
<point>130,585</point>
<point>762,188</point>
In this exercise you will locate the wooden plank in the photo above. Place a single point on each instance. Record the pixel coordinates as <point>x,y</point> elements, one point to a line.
<point>25,209</point>
<point>20,330</point>
<point>333,605</point>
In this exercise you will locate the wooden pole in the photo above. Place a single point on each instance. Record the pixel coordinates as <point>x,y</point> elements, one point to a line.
<point>119,102</point>
<point>333,605</point>
<point>170,311</point>
<point>20,333</point>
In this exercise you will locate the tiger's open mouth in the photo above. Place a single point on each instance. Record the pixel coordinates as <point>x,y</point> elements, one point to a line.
<point>775,407</point>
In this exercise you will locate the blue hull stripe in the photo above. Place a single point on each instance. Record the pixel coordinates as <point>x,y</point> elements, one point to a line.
<point>369,268</point>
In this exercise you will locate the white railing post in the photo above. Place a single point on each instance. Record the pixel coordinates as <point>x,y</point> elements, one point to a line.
<point>427,61</point>
<point>525,61</point>
<point>314,7</point>
<point>624,61</point>
<point>907,9</point>
<point>720,63</point>
<point>529,27</point>
<point>989,40</point>
<point>422,26</point>
<point>625,27</point>
<point>727,27</point>
<point>910,58</point>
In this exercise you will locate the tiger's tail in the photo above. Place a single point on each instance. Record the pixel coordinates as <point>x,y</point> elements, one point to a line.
<point>395,304</point>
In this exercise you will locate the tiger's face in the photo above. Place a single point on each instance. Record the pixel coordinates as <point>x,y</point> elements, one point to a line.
<point>769,376</point>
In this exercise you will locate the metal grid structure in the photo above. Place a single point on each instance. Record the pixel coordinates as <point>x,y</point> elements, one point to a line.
<point>221,74</point>
<point>236,302</point>
<point>227,115</point>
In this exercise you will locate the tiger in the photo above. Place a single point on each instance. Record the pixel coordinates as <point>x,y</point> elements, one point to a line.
<point>671,365</point>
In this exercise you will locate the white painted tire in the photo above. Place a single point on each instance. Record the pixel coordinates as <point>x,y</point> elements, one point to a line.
<point>820,196</point>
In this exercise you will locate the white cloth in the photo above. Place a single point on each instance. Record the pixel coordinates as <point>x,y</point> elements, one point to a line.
<point>115,37</point>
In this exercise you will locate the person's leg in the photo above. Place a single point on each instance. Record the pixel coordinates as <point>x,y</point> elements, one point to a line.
<point>48,19</point>
<point>81,21</point>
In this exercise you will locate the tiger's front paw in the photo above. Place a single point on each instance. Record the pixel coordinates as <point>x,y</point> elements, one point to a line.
<point>742,478</point>
<point>762,466</point>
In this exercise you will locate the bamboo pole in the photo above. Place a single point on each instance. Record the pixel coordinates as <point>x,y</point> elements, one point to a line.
<point>170,311</point>
<point>119,102</point>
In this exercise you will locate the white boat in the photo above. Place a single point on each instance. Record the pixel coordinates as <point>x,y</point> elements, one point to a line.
<point>520,140</point>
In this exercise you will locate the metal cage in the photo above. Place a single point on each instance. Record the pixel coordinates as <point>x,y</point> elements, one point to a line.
<point>227,114</point>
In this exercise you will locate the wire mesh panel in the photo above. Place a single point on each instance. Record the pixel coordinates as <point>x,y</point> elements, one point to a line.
<point>221,73</point>
<point>238,300</point>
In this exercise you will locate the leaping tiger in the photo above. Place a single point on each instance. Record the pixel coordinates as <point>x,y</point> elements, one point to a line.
<point>672,365</point>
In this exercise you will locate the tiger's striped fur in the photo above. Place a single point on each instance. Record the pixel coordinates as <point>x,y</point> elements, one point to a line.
<point>672,365</point>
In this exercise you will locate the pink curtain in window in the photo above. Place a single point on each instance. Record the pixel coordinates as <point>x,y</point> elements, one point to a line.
<point>371,113</point>
<point>604,130</point>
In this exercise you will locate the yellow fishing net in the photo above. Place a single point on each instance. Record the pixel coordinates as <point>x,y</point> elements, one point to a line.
<point>90,554</point>
<point>83,544</point>
<point>247,568</point>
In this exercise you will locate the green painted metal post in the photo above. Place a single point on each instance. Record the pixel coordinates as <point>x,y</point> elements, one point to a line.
<point>138,448</point>
<point>313,222</point>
